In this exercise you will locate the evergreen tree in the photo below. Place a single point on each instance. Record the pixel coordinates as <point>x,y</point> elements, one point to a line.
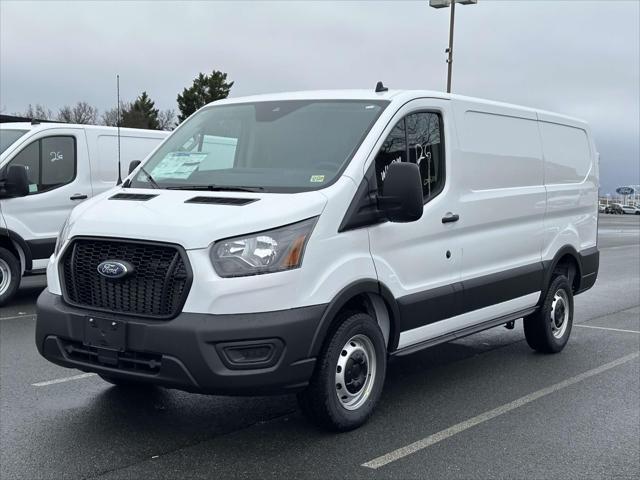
<point>141,114</point>
<point>205,89</point>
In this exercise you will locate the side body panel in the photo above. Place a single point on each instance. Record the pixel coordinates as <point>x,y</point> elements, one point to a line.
<point>572,182</point>
<point>103,153</point>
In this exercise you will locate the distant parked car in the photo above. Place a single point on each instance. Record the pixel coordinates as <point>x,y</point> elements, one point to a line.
<point>629,209</point>
<point>602,208</point>
<point>615,208</point>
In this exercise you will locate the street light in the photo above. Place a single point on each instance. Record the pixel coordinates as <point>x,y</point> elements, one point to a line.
<point>444,4</point>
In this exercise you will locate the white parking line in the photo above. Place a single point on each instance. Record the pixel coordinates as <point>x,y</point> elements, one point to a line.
<point>483,417</point>
<point>608,328</point>
<point>62,380</point>
<point>15,317</point>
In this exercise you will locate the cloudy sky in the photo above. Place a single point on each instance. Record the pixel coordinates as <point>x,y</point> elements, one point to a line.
<point>581,58</point>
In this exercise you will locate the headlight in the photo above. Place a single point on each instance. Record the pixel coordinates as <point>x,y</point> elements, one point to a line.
<point>62,236</point>
<point>264,252</point>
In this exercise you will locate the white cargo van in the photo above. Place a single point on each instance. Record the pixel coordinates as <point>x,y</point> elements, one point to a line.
<point>351,226</point>
<point>64,165</point>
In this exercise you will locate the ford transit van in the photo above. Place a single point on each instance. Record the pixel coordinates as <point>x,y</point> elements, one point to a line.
<point>64,165</point>
<point>295,242</point>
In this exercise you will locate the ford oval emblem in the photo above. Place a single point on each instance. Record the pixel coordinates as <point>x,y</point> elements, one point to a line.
<point>115,268</point>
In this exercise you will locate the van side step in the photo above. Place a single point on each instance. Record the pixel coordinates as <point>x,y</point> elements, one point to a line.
<point>506,319</point>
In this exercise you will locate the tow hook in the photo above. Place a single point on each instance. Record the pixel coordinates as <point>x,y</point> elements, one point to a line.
<point>510,325</point>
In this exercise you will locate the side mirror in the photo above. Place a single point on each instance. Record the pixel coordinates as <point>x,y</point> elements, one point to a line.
<point>17,181</point>
<point>133,165</point>
<point>402,201</point>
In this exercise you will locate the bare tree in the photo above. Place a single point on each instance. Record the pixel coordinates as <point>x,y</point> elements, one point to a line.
<point>167,119</point>
<point>110,117</point>
<point>39,112</point>
<point>81,112</point>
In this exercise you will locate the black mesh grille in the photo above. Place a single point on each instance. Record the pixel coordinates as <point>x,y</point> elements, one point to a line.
<point>157,287</point>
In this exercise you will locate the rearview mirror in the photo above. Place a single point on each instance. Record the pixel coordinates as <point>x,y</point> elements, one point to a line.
<point>402,200</point>
<point>17,181</point>
<point>133,165</point>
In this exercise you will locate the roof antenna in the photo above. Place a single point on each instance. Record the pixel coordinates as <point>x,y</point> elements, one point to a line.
<point>118,95</point>
<point>381,88</point>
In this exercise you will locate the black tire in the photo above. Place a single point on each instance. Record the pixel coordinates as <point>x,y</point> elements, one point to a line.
<point>9,268</point>
<point>540,330</point>
<point>123,382</point>
<point>319,401</point>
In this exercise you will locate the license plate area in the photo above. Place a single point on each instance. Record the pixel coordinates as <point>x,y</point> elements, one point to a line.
<point>105,334</point>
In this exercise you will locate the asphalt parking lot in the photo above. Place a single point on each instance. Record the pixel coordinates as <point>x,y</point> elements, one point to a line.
<point>484,406</point>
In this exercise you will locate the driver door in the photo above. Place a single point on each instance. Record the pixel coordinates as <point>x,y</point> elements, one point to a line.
<point>59,179</point>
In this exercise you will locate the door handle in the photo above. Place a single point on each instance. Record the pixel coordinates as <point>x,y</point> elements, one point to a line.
<point>78,196</point>
<point>450,218</point>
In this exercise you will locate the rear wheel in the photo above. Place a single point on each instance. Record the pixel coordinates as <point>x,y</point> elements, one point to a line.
<point>9,275</point>
<point>549,328</point>
<point>349,376</point>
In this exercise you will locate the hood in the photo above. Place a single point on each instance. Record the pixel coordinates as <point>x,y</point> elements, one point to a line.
<point>172,216</point>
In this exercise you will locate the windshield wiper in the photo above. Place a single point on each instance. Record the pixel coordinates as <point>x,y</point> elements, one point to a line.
<point>153,183</point>
<point>216,188</point>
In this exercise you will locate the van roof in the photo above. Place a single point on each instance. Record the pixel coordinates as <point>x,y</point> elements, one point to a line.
<point>399,96</point>
<point>97,128</point>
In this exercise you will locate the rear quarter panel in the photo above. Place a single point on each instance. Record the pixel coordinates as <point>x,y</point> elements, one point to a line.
<point>571,182</point>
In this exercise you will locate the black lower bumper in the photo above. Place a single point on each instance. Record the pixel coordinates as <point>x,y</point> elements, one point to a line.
<point>189,352</point>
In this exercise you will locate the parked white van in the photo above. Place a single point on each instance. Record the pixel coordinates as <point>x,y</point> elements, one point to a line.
<point>64,164</point>
<point>352,226</point>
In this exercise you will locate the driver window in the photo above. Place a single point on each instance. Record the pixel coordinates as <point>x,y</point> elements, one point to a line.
<point>50,163</point>
<point>416,139</point>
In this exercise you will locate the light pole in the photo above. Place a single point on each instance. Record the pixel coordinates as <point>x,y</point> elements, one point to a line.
<point>452,4</point>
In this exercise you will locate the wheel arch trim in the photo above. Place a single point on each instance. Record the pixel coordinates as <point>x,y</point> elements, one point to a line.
<point>368,287</point>
<point>22,245</point>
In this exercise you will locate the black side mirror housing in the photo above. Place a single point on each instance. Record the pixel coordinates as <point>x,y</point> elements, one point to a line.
<point>16,183</point>
<point>133,165</point>
<point>402,200</point>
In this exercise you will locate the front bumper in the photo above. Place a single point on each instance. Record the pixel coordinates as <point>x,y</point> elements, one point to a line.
<point>186,352</point>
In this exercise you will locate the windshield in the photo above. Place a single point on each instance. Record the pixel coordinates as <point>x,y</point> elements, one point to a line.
<point>7,137</point>
<point>284,146</point>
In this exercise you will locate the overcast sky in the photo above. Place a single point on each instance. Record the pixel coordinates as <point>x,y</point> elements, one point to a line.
<point>581,58</point>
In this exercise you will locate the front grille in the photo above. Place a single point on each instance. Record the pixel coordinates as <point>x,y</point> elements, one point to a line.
<point>131,361</point>
<point>156,288</point>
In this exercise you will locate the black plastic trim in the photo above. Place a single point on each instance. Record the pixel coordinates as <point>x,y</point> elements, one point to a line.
<point>363,210</point>
<point>231,201</point>
<point>41,248</point>
<point>348,293</point>
<point>589,267</point>
<point>430,306</point>
<point>28,259</point>
<point>140,197</point>
<point>188,346</point>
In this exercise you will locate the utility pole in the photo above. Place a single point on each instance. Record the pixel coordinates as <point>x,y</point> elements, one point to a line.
<point>449,51</point>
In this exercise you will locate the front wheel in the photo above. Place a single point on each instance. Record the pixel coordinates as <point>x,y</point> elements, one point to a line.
<point>349,376</point>
<point>9,275</point>
<point>549,328</point>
